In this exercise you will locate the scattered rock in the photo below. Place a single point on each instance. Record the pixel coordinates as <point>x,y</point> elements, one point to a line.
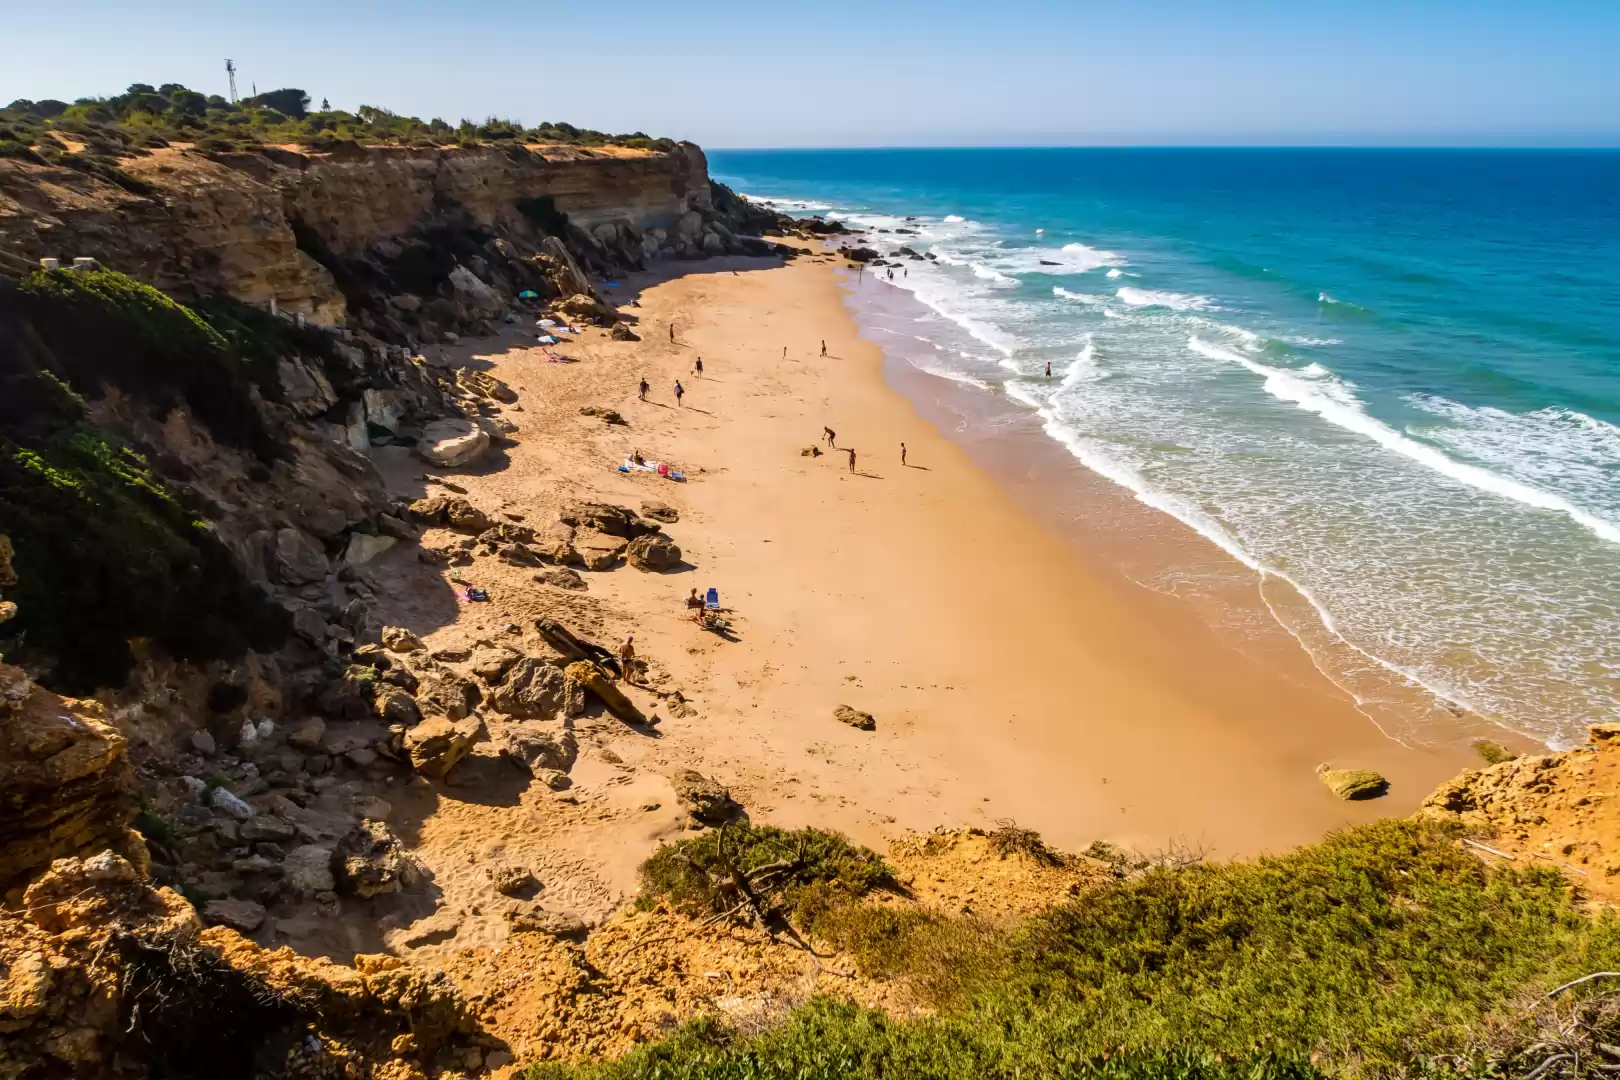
<point>265,827</point>
<point>437,743</point>
<point>242,915</point>
<point>1351,784</point>
<point>395,706</point>
<point>307,734</point>
<point>537,920</point>
<point>464,517</point>
<point>429,511</point>
<point>610,416</point>
<point>308,869</point>
<point>297,559</point>
<point>606,518</point>
<point>364,547</point>
<point>653,553</point>
<point>668,515</point>
<point>400,640</point>
<point>226,803</point>
<point>203,743</point>
<point>512,880</point>
<point>491,663</point>
<point>452,443</point>
<point>448,694</point>
<point>533,746</point>
<point>536,689</point>
<point>855,718</point>
<point>598,551</point>
<point>706,800</point>
<point>562,578</point>
<point>622,332</point>
<point>369,861</point>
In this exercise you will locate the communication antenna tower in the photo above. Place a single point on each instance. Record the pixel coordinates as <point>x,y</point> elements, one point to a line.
<point>230,69</point>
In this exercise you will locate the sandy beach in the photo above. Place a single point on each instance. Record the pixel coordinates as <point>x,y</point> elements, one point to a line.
<point>1010,675</point>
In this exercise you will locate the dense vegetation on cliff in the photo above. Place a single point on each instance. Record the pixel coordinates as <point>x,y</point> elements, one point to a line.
<point>145,117</point>
<point>1388,949</point>
<point>105,552</point>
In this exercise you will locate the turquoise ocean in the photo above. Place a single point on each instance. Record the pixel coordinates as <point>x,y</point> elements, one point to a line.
<point>1386,380</point>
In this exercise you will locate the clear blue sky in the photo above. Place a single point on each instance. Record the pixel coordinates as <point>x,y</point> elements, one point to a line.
<point>840,73</point>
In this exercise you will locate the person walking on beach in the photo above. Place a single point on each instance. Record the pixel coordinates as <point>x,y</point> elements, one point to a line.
<point>784,352</point>
<point>902,455</point>
<point>697,367</point>
<point>851,453</point>
<point>831,436</point>
<point>824,348</point>
<point>672,333</point>
<point>627,659</point>
<point>644,388</point>
<point>1049,369</point>
<point>679,390</point>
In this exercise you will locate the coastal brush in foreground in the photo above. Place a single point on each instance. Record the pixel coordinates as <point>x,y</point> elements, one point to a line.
<point>1386,950</point>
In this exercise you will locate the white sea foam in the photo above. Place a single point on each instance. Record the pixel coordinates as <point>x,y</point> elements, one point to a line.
<point>1315,390</point>
<point>954,376</point>
<point>803,206</point>
<point>1155,298</point>
<point>953,219</point>
<point>1078,297</point>
<point>1312,342</point>
<point>1114,273</point>
<point>990,273</point>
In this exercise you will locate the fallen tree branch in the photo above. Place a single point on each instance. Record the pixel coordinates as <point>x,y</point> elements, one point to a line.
<point>1493,851</point>
<point>1584,978</point>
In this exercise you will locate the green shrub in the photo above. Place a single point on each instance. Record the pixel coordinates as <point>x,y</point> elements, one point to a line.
<point>804,871</point>
<point>1493,753</point>
<point>95,327</point>
<point>1385,950</point>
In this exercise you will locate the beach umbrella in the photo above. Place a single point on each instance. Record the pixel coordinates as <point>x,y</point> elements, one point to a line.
<point>528,294</point>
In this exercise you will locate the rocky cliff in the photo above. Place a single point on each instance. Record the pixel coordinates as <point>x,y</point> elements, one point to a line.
<point>370,236</point>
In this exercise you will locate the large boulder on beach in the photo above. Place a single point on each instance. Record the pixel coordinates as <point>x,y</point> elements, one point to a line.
<point>596,682</point>
<point>855,718</point>
<point>452,442</point>
<point>606,518</point>
<point>1353,784</point>
<point>654,553</point>
<point>437,743</point>
<point>598,551</point>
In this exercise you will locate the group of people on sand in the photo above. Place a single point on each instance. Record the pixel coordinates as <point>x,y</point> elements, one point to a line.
<point>831,438</point>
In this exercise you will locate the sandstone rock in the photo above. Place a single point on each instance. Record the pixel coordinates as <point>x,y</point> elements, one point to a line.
<point>1352,784</point>
<point>452,442</point>
<point>369,861</point>
<point>511,880</point>
<point>437,743</point>
<point>609,416</point>
<point>307,733</point>
<point>263,827</point>
<point>491,662</point>
<point>483,384</point>
<point>400,640</point>
<point>622,332</point>
<point>533,746</point>
<point>518,555</point>
<point>475,292</point>
<point>429,1000</point>
<point>298,560</point>
<point>562,578</point>
<point>406,302</point>
<point>606,518</point>
<point>536,689</point>
<point>362,548</point>
<point>595,680</point>
<point>598,551</point>
<point>447,694</point>
<point>854,718</point>
<point>389,525</point>
<point>587,307</point>
<point>538,920</point>
<point>308,869</point>
<point>243,915</point>
<point>203,743</point>
<point>395,706</point>
<point>653,553</point>
<point>429,511</point>
<point>668,515</point>
<point>464,517</point>
<point>706,800</point>
<point>556,545</point>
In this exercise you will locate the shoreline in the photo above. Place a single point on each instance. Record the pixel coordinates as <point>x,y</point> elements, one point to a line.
<point>1012,675</point>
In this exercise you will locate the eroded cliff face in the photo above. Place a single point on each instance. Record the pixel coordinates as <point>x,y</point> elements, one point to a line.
<point>321,235</point>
